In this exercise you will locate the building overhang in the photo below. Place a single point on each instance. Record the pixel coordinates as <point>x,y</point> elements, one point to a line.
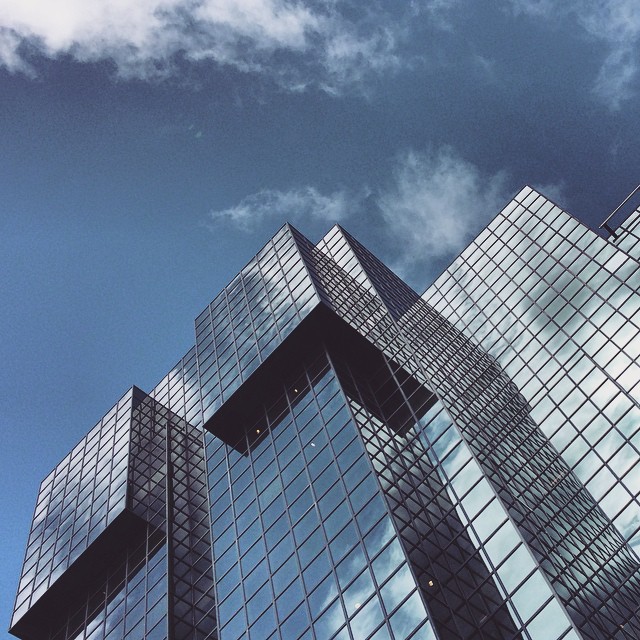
<point>403,397</point>
<point>104,555</point>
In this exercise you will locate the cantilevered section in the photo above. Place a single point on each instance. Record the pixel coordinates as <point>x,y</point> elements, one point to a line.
<point>252,316</point>
<point>83,515</point>
<point>111,506</point>
<point>321,329</point>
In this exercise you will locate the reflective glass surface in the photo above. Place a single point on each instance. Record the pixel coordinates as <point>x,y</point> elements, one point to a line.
<point>558,307</point>
<point>76,502</point>
<point>304,544</point>
<point>251,317</point>
<point>144,570</point>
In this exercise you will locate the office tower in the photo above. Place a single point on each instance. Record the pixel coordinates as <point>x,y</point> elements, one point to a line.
<point>379,465</point>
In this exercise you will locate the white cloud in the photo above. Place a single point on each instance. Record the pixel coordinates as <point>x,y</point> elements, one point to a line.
<point>615,23</point>
<point>438,202</point>
<point>9,56</point>
<point>617,77</point>
<point>296,204</point>
<point>297,42</point>
<point>433,205</point>
<point>351,61</point>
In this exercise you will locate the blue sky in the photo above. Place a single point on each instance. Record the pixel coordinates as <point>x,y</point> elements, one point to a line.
<point>149,148</point>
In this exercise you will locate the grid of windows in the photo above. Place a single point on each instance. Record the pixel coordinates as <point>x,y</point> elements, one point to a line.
<point>535,609</point>
<point>76,502</point>
<point>398,297</point>
<point>128,601</point>
<point>168,486</point>
<point>559,308</point>
<point>554,512</point>
<point>490,413</point>
<point>447,565</point>
<point>145,568</point>
<point>304,546</point>
<point>179,390</point>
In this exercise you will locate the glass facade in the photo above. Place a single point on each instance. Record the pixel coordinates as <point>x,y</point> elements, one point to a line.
<point>559,308</point>
<point>339,458</point>
<point>304,544</point>
<point>120,545</point>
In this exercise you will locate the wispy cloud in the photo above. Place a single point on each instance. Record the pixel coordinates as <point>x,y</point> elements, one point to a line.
<point>433,205</point>
<point>438,202</point>
<point>333,45</point>
<point>613,22</point>
<point>294,205</point>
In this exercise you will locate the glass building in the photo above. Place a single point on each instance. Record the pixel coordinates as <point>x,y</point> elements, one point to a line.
<point>338,457</point>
